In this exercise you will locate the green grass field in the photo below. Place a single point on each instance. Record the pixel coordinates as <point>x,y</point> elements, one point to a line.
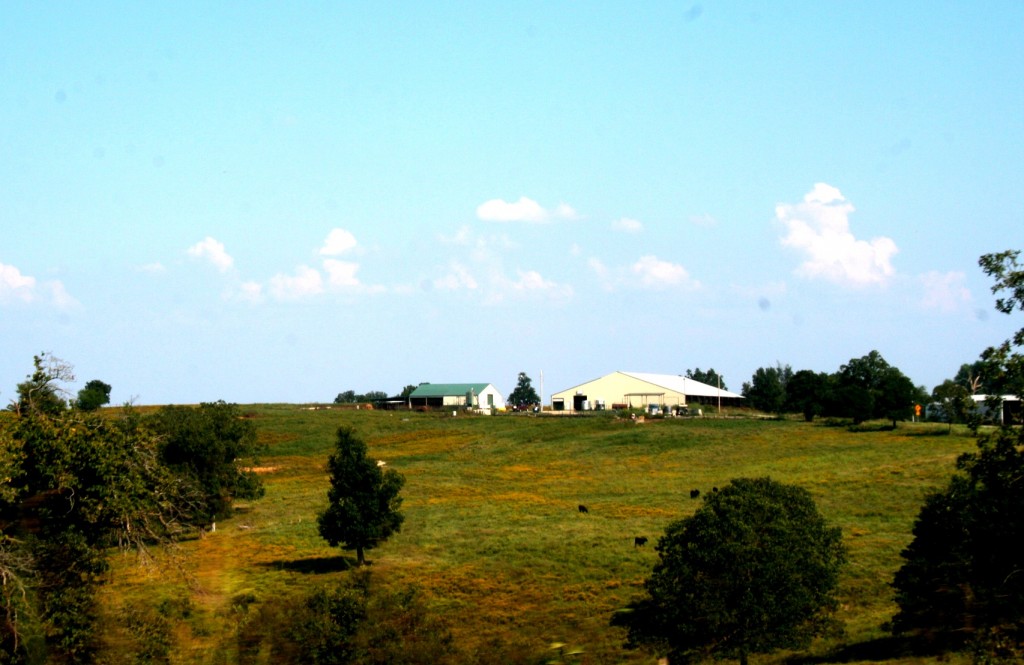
<point>495,543</point>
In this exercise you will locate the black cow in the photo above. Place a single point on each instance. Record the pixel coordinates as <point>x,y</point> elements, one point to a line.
<point>639,541</point>
<point>694,494</point>
<point>583,509</point>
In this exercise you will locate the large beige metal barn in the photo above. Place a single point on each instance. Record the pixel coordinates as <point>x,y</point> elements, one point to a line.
<point>620,390</point>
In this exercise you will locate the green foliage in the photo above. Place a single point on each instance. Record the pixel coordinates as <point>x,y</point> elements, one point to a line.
<point>710,377</point>
<point>806,393</point>
<point>352,622</point>
<point>954,400</point>
<point>364,499</point>
<point>767,388</point>
<point>41,391</point>
<point>961,573</point>
<point>204,446</point>
<point>524,395</point>
<point>351,397</point>
<point>755,569</point>
<point>78,484</point>
<point>94,395</point>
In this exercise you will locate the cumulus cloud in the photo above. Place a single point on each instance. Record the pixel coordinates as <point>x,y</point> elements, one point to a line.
<point>656,273</point>
<point>341,274</point>
<point>457,277</point>
<point>819,228</point>
<point>304,283</point>
<point>338,242</point>
<point>529,283</point>
<point>523,210</point>
<point>17,287</point>
<point>212,250</point>
<point>627,225</point>
<point>944,291</point>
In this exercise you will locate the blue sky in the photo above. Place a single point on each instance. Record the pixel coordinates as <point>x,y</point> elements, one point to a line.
<point>277,202</point>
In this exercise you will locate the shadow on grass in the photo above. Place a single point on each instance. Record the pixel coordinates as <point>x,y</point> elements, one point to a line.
<point>314,565</point>
<point>878,650</point>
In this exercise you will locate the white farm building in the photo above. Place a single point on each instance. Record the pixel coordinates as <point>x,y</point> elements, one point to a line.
<point>620,390</point>
<point>482,396</point>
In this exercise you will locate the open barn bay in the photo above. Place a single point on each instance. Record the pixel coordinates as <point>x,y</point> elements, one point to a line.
<point>494,544</point>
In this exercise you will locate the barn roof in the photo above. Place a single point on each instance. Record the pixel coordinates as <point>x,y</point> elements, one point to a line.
<point>448,389</point>
<point>681,384</point>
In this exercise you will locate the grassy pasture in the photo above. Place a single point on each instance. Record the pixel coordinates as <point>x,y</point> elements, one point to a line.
<point>495,542</point>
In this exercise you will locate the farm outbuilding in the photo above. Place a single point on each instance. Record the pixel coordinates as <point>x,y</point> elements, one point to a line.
<point>461,395</point>
<point>621,390</point>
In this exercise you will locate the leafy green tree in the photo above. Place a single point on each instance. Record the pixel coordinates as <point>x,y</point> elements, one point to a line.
<point>961,574</point>
<point>954,400</point>
<point>869,387</point>
<point>205,444</point>
<point>94,395</point>
<point>710,377</point>
<point>364,502</point>
<point>753,570</point>
<point>406,391</point>
<point>76,485</point>
<point>42,391</point>
<point>807,393</point>
<point>767,388</point>
<point>896,396</point>
<point>962,580</point>
<point>524,394</point>
<point>347,397</point>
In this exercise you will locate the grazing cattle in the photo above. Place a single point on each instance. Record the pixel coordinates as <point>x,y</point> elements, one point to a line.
<point>714,489</point>
<point>639,541</point>
<point>583,509</point>
<point>694,494</point>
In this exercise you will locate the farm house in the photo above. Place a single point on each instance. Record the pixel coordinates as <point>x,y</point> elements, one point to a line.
<point>620,390</point>
<point>462,395</point>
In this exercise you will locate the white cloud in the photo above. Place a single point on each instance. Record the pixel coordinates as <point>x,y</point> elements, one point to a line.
<point>655,273</point>
<point>627,225</point>
<point>458,277</point>
<point>530,283</point>
<point>341,273</point>
<point>944,291</point>
<point>250,292</point>
<point>17,287</point>
<point>212,250</point>
<point>819,228</point>
<point>338,242</point>
<point>523,210</point>
<point>305,282</point>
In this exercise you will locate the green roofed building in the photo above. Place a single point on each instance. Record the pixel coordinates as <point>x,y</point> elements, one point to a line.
<point>465,395</point>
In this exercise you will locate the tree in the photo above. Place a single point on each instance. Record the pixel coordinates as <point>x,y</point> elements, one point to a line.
<point>806,393</point>
<point>710,377</point>
<point>896,396</point>
<point>347,397</point>
<point>955,401</point>
<point>94,395</point>
<point>75,485</point>
<point>524,394</point>
<point>869,387</point>
<point>204,444</point>
<point>961,580</point>
<point>767,389</point>
<point>364,502</point>
<point>755,569</point>
<point>41,392</point>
